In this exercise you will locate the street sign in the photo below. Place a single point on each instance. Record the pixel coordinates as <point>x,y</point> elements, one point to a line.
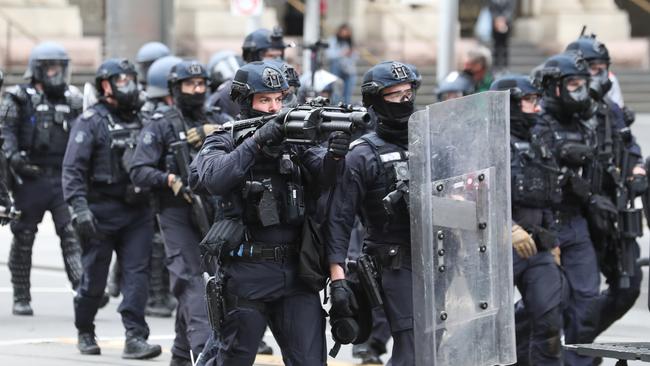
<point>246,7</point>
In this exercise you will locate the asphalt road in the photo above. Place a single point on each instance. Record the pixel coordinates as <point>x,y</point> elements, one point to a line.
<point>49,337</point>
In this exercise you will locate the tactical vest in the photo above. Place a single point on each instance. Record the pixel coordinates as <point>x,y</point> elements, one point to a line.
<point>393,169</point>
<point>274,194</point>
<point>116,147</point>
<point>534,174</point>
<point>44,133</point>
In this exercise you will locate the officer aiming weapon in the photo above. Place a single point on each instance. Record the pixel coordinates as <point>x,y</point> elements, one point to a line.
<point>308,124</point>
<point>199,213</point>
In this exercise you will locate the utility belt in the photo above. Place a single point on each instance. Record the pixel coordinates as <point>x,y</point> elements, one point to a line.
<point>264,252</point>
<point>123,192</point>
<point>389,256</point>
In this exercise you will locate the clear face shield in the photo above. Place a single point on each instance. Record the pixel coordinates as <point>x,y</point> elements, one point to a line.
<point>53,74</point>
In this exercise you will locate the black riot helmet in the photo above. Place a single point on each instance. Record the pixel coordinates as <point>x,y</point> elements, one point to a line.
<point>564,79</point>
<point>385,75</point>
<point>253,78</point>
<point>293,79</point>
<point>261,40</point>
<point>147,54</point>
<point>121,75</point>
<point>520,87</point>
<point>183,71</point>
<point>48,65</point>
<point>597,56</point>
<point>222,67</point>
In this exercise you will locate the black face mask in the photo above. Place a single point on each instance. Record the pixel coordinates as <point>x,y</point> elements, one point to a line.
<point>394,113</point>
<point>577,101</point>
<point>188,102</point>
<point>520,122</point>
<point>55,86</point>
<point>127,96</point>
<point>600,84</point>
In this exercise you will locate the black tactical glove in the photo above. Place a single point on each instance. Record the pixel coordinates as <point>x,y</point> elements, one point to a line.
<point>338,144</point>
<point>601,214</point>
<point>270,134</point>
<point>21,165</point>
<point>629,116</point>
<point>83,219</point>
<point>344,303</point>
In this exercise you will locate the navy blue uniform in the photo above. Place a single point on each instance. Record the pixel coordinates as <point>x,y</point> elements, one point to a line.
<point>366,181</point>
<point>152,163</point>
<point>95,167</point>
<point>577,251</point>
<point>39,127</point>
<point>538,278</point>
<point>263,290</point>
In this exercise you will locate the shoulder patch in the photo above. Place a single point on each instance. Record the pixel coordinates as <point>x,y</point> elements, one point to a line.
<point>147,138</point>
<point>80,137</point>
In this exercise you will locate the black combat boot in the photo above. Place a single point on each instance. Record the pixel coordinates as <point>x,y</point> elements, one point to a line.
<point>87,344</point>
<point>137,348</point>
<point>20,265</point>
<point>22,307</point>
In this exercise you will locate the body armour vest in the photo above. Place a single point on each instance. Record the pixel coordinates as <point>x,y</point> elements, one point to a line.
<point>573,146</point>
<point>44,133</point>
<point>534,173</point>
<point>386,217</point>
<point>116,142</point>
<point>274,194</point>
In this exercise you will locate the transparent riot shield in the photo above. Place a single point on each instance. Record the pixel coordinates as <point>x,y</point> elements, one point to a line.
<point>461,232</point>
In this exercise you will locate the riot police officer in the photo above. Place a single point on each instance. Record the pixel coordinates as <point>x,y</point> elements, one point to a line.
<point>37,120</point>
<point>109,212</point>
<point>146,56</point>
<point>388,89</point>
<point>261,44</point>
<point>263,184</point>
<point>567,105</point>
<point>156,165</point>
<point>455,85</point>
<point>616,148</point>
<point>157,88</point>
<point>534,190</point>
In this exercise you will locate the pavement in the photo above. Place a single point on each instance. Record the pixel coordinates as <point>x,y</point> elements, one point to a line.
<point>49,337</point>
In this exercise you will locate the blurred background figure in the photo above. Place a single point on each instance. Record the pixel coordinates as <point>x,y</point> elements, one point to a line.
<point>502,12</point>
<point>477,65</point>
<point>342,59</point>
